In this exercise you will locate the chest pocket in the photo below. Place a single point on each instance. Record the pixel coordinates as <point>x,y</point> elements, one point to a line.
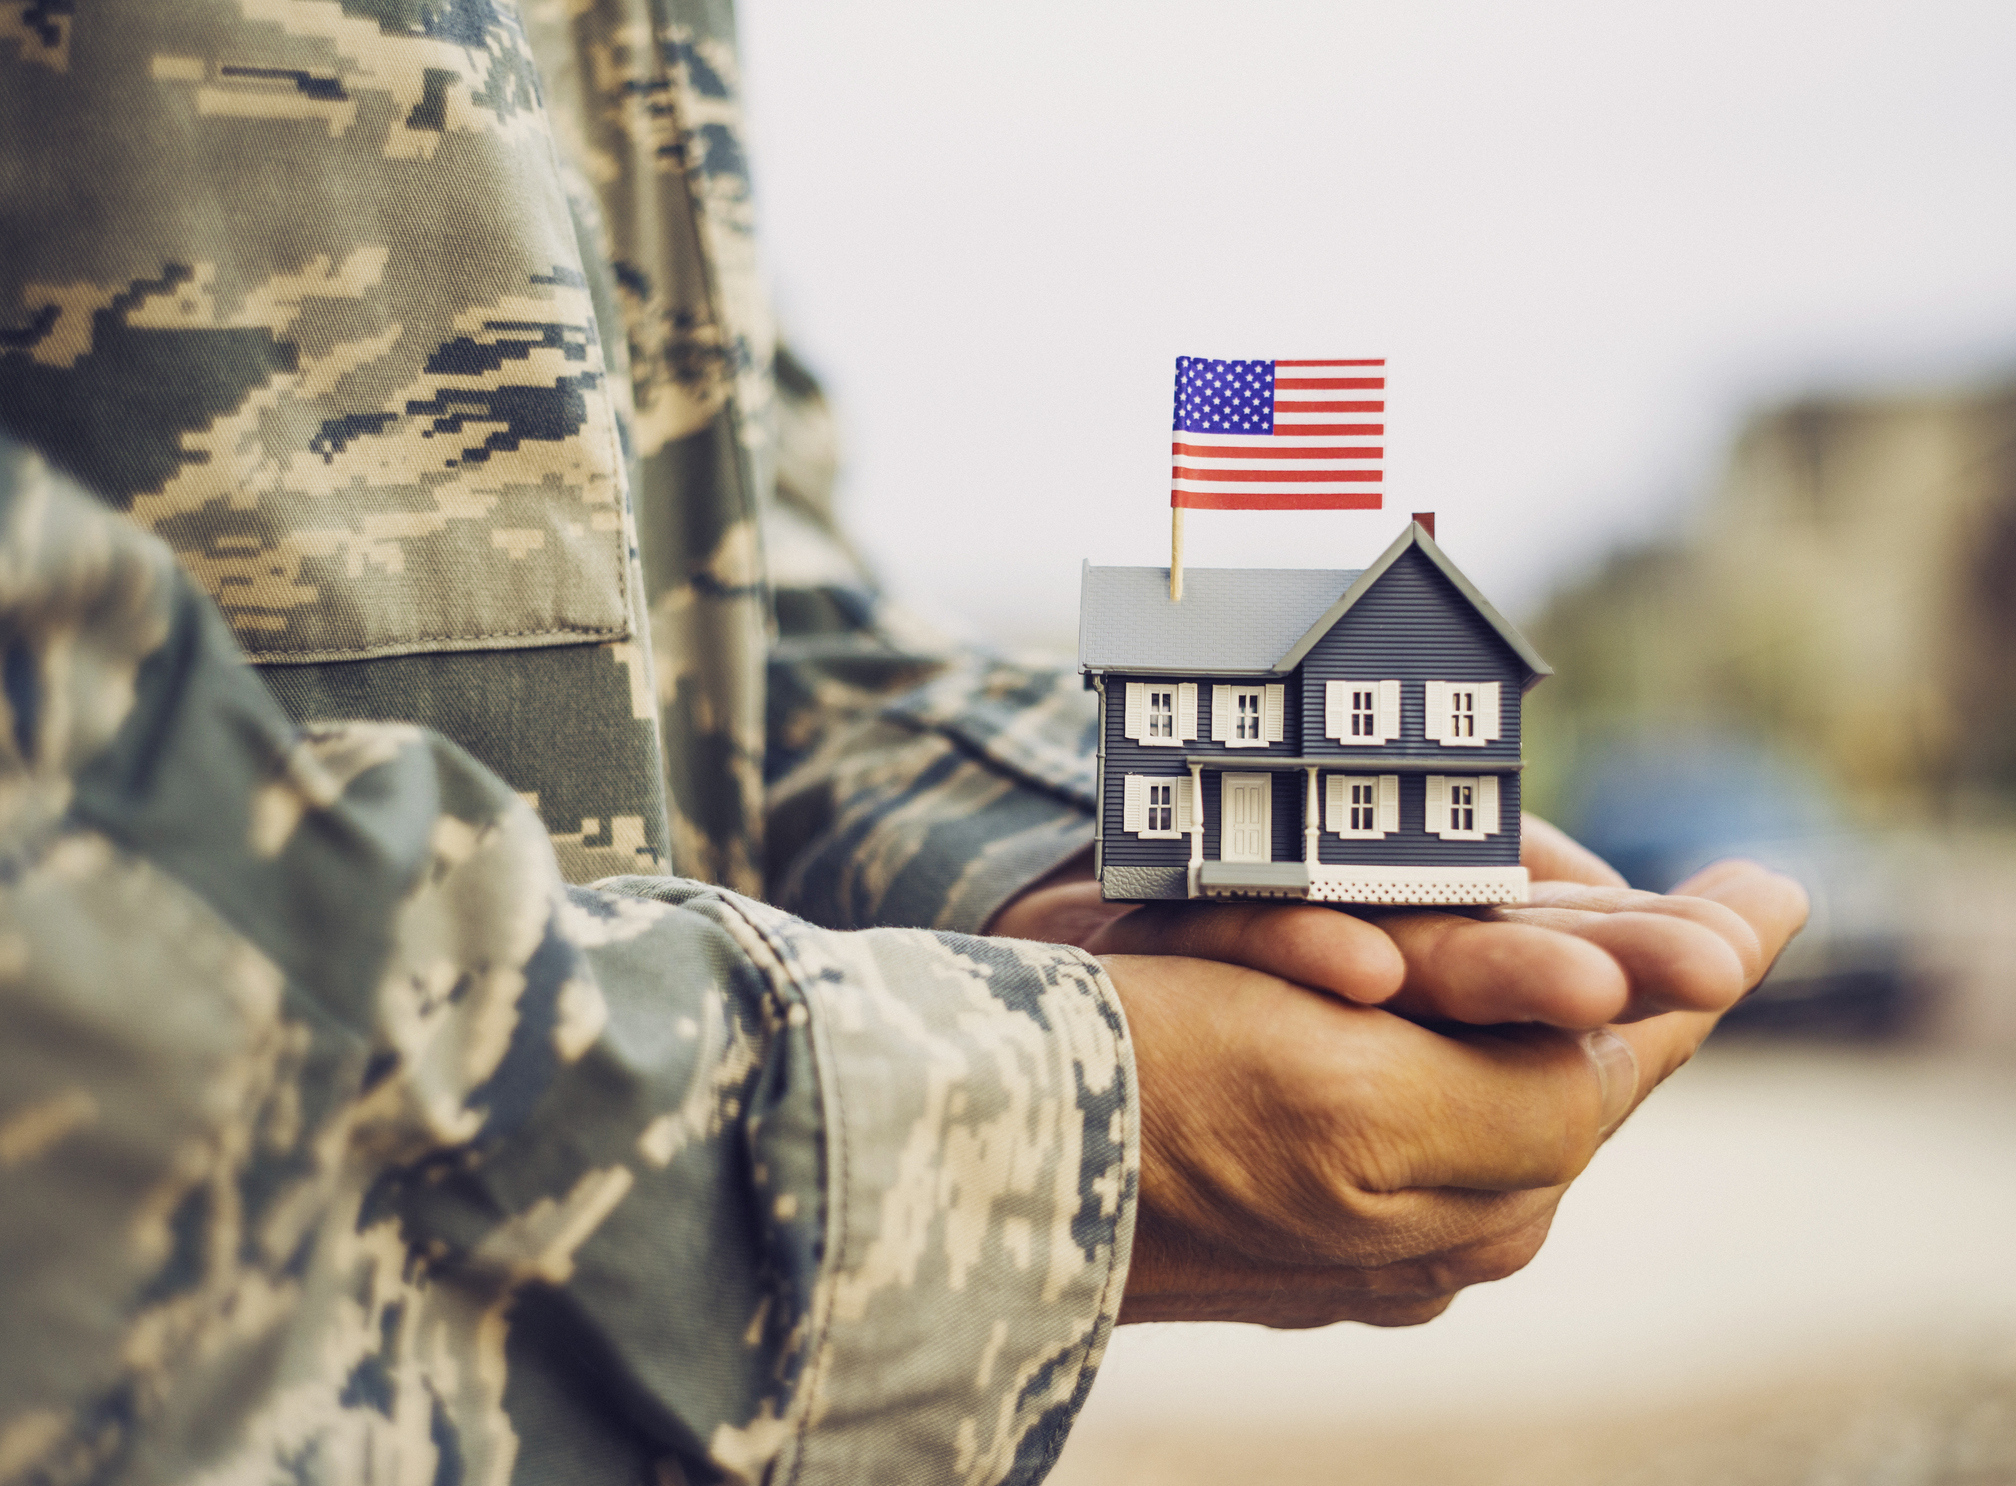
<point>470,499</point>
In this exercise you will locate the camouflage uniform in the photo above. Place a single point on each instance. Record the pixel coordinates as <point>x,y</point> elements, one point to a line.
<point>339,1137</point>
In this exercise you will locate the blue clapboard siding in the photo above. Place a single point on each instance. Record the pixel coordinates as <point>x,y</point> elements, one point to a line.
<point>1412,626</point>
<point>1124,756</point>
<point>1288,788</point>
<point>1412,846</point>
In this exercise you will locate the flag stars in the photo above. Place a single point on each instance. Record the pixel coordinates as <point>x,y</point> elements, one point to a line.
<point>1224,396</point>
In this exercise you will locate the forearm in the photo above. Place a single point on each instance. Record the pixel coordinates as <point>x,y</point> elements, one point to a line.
<point>911,782</point>
<point>899,820</point>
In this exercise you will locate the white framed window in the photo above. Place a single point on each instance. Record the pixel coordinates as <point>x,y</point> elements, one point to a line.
<point>1161,806</point>
<point>1461,804</point>
<point>1361,807</point>
<point>1161,714</point>
<point>1156,808</point>
<point>1248,716</point>
<point>1361,713</point>
<point>1462,807</point>
<point>1364,712</point>
<point>1462,714</point>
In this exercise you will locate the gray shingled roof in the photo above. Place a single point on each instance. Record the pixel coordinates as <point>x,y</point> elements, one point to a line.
<point>1249,620</point>
<point>1231,619</point>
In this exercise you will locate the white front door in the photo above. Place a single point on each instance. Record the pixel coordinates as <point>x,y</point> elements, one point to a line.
<point>1245,818</point>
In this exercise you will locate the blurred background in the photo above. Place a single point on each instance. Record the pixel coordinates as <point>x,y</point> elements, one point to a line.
<point>1701,328</point>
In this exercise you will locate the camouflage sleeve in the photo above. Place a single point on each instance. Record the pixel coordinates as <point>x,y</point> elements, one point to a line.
<point>341,1141</point>
<point>911,782</point>
<point>802,760</point>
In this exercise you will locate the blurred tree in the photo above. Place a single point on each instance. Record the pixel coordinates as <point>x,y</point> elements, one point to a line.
<point>1847,594</point>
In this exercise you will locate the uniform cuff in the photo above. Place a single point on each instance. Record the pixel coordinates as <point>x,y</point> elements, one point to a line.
<point>982,1154</point>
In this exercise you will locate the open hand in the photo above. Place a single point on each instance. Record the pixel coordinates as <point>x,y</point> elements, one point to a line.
<point>1587,951</point>
<point>1365,1153</point>
<point>1305,1160</point>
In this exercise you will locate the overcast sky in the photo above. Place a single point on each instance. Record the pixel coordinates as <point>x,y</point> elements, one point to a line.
<point>1587,237</point>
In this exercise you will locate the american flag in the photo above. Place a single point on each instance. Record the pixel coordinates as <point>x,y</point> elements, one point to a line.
<point>1279,435</point>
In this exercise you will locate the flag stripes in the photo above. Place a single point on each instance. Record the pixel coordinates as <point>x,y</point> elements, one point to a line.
<point>1263,435</point>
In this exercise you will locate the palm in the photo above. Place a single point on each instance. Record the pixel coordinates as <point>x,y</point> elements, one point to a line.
<point>1586,952</point>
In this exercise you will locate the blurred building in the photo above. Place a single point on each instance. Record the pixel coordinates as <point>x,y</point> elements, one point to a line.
<point>1848,595</point>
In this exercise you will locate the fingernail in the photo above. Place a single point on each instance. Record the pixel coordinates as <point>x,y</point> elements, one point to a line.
<point>1616,1074</point>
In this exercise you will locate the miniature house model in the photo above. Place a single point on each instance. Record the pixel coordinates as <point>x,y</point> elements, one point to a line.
<point>1344,737</point>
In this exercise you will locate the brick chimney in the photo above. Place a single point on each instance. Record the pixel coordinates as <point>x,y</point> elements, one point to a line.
<point>1427,520</point>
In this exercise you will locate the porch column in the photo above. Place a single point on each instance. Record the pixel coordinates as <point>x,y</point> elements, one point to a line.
<point>1196,824</point>
<point>1312,826</point>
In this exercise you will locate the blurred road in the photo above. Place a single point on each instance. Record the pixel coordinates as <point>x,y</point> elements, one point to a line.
<point>1796,1264</point>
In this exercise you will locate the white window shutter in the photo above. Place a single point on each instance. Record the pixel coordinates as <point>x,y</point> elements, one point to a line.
<point>1273,713</point>
<point>1437,820</point>
<point>1389,802</point>
<point>1221,713</point>
<point>1137,710</point>
<point>1337,711</point>
<point>1489,715</point>
<point>1186,712</point>
<point>1134,810</point>
<point>1389,711</point>
<point>1186,796</point>
<point>1435,712</point>
<point>1487,804</point>
<point>1335,803</point>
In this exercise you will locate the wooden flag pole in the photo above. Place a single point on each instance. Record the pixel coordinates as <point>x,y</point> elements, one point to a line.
<point>1175,554</point>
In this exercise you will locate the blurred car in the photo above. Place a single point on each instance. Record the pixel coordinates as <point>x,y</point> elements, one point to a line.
<point>1661,809</point>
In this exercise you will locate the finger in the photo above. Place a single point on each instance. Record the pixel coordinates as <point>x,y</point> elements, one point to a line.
<point>1676,954</point>
<point>1551,854</point>
<point>1773,905</point>
<point>1193,1282</point>
<point>1671,964</point>
<point>1490,971</point>
<point>1474,1238</point>
<point>1315,947</point>
<point>1753,908</point>
<point>1694,951</point>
